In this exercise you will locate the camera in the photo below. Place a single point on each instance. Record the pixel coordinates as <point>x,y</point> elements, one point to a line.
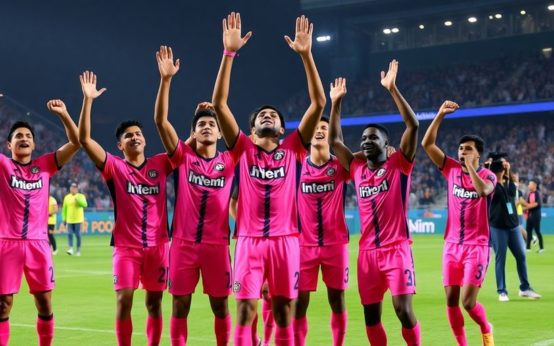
<point>496,161</point>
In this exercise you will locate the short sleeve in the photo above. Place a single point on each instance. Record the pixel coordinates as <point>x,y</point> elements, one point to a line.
<point>242,143</point>
<point>47,163</point>
<point>449,164</point>
<point>404,164</point>
<point>294,142</point>
<point>178,156</point>
<point>109,167</point>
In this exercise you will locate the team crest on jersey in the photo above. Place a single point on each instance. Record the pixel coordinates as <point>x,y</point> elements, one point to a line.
<point>381,172</point>
<point>153,173</point>
<point>219,167</point>
<point>236,287</point>
<point>331,171</point>
<point>279,155</point>
<point>35,169</point>
<point>115,279</point>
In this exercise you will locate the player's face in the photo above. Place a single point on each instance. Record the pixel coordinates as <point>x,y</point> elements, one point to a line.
<point>532,186</point>
<point>268,123</point>
<point>132,141</point>
<point>73,189</point>
<point>206,130</point>
<point>319,140</point>
<point>467,150</point>
<point>22,142</point>
<point>373,143</point>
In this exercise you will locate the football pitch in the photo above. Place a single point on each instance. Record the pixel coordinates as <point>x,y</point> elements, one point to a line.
<point>84,303</point>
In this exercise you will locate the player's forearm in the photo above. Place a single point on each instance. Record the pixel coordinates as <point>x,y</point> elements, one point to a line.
<point>430,136</point>
<point>315,87</point>
<point>482,187</point>
<point>84,121</point>
<point>406,111</point>
<point>335,129</point>
<point>162,102</point>
<point>71,130</point>
<point>229,126</point>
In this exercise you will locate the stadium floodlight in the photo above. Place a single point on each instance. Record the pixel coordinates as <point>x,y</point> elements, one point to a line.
<point>547,49</point>
<point>395,30</point>
<point>448,23</point>
<point>522,12</point>
<point>491,17</point>
<point>498,16</point>
<point>421,26</point>
<point>550,7</point>
<point>387,31</point>
<point>472,19</point>
<point>323,38</point>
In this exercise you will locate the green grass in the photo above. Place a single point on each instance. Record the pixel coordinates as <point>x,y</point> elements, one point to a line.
<point>84,303</point>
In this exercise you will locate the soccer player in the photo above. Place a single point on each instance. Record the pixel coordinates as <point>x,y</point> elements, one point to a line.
<point>466,248</point>
<point>382,185</point>
<point>324,234</point>
<point>140,236</point>
<point>24,246</point>
<point>532,207</point>
<point>200,232</point>
<point>52,219</point>
<point>73,214</point>
<point>266,226</point>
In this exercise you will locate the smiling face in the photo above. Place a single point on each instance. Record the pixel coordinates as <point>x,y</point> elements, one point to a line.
<point>373,143</point>
<point>206,130</point>
<point>267,123</point>
<point>132,141</point>
<point>321,134</point>
<point>21,143</point>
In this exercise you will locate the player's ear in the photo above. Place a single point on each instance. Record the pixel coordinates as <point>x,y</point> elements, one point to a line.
<point>119,146</point>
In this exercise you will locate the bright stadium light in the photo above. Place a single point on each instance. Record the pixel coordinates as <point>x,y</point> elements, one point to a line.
<point>522,12</point>
<point>472,19</point>
<point>421,26</point>
<point>550,7</point>
<point>448,23</point>
<point>323,38</point>
<point>387,31</point>
<point>491,17</point>
<point>395,30</point>
<point>498,16</point>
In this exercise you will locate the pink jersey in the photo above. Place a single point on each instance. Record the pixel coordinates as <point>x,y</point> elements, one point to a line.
<point>139,198</point>
<point>267,183</point>
<point>468,213</point>
<point>321,203</point>
<point>203,189</point>
<point>24,192</point>
<point>383,200</point>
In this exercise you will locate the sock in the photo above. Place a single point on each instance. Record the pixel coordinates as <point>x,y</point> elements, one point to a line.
<point>456,320</point>
<point>123,332</point>
<point>300,327</point>
<point>338,326</point>
<point>222,328</point>
<point>255,339</point>
<point>269,323</point>
<point>178,331</point>
<point>478,314</point>
<point>284,336</point>
<point>154,330</point>
<point>4,332</point>
<point>412,336</point>
<point>376,335</point>
<point>243,335</point>
<point>45,330</point>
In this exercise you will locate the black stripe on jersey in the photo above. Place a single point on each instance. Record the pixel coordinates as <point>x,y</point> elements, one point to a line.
<point>296,194</point>
<point>144,223</point>
<point>201,216</point>
<point>344,194</point>
<point>462,221</point>
<point>377,241</point>
<point>25,227</point>
<point>176,188</point>
<point>319,222</point>
<point>267,210</point>
<point>404,193</point>
<point>111,188</point>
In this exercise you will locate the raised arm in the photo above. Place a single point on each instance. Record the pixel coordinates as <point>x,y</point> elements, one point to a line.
<point>302,45</point>
<point>167,69</point>
<point>408,143</point>
<point>66,151</point>
<point>232,42</point>
<point>88,85</point>
<point>429,140</point>
<point>338,90</point>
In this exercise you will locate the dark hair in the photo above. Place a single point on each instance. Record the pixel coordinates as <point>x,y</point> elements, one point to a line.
<point>380,128</point>
<point>259,109</point>
<point>124,126</point>
<point>479,142</point>
<point>325,119</point>
<point>18,125</point>
<point>203,113</point>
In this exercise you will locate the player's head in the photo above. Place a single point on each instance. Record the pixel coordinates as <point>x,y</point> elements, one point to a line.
<point>21,139</point>
<point>533,185</point>
<point>321,134</point>
<point>470,145</point>
<point>130,138</point>
<point>267,121</point>
<point>375,139</point>
<point>205,128</point>
<point>73,188</point>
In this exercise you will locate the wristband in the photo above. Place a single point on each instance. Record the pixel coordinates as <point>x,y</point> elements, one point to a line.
<point>229,53</point>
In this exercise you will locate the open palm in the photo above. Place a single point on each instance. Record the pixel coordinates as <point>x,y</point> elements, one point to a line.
<point>302,43</point>
<point>232,26</point>
<point>338,90</point>
<point>88,85</point>
<point>388,79</point>
<point>167,67</point>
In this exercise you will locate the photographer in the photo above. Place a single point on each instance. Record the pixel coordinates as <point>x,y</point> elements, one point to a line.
<point>504,227</point>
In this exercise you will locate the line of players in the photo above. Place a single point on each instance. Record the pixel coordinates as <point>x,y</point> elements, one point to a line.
<point>289,212</point>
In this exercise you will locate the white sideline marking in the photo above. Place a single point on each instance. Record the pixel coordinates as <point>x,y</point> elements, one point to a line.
<point>544,343</point>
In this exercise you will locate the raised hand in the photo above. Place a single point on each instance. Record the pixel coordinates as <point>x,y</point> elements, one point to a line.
<point>203,106</point>
<point>57,107</point>
<point>167,67</point>
<point>338,90</point>
<point>388,80</point>
<point>88,85</point>
<point>448,107</point>
<point>302,43</point>
<point>232,40</point>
